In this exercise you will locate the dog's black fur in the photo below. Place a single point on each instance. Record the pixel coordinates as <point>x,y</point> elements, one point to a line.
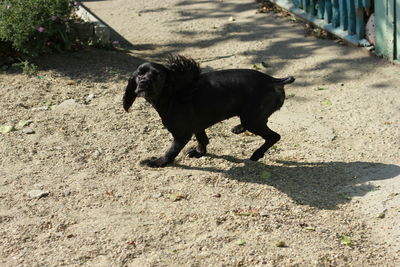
<point>189,102</point>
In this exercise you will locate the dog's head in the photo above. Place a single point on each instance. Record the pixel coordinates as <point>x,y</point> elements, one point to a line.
<point>147,81</point>
<point>151,80</point>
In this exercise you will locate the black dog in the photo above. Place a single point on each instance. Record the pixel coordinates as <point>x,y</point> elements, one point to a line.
<point>189,102</point>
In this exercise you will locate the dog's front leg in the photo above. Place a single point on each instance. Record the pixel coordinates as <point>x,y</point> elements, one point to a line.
<point>201,149</point>
<point>172,152</point>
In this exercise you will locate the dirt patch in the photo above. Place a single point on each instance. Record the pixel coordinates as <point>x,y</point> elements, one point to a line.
<point>316,199</point>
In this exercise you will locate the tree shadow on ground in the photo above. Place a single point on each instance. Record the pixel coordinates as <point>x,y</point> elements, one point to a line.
<point>94,65</point>
<point>287,44</point>
<point>283,48</point>
<point>323,185</point>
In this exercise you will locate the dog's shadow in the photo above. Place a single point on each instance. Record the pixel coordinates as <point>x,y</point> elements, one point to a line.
<point>323,185</point>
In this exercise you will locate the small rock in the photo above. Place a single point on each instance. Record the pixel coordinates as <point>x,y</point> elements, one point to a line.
<point>67,193</point>
<point>157,195</point>
<point>176,197</point>
<point>240,242</point>
<point>37,193</point>
<point>280,244</point>
<point>89,98</point>
<point>96,154</point>
<point>28,130</point>
<point>67,104</point>
<point>381,215</point>
<point>263,214</point>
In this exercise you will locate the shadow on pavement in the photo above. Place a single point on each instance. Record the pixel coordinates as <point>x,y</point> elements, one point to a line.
<point>93,65</point>
<point>323,185</point>
<point>286,43</point>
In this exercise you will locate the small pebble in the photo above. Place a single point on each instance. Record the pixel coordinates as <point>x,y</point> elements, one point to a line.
<point>240,242</point>
<point>96,154</point>
<point>380,215</point>
<point>280,244</point>
<point>28,130</point>
<point>37,193</point>
<point>157,195</point>
<point>89,98</point>
<point>263,214</point>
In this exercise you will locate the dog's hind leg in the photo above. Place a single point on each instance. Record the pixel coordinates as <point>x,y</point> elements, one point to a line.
<point>169,156</point>
<point>201,148</point>
<point>260,128</point>
<point>270,138</point>
<point>238,129</point>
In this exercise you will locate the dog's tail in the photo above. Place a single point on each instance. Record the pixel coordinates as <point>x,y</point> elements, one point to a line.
<point>283,81</point>
<point>279,88</point>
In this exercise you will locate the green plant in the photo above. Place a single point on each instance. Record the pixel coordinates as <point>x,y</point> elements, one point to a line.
<point>28,68</point>
<point>36,26</point>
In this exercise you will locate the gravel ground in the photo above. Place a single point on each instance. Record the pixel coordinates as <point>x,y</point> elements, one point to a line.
<point>328,194</point>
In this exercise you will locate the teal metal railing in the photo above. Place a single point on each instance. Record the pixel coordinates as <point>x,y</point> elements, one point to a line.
<point>345,18</point>
<point>349,15</point>
<point>387,16</point>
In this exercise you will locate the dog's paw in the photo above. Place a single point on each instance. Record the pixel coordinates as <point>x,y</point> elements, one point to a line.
<point>193,153</point>
<point>238,129</point>
<point>154,162</point>
<point>256,156</point>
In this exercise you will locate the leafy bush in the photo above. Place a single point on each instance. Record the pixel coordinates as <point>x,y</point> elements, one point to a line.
<point>36,26</point>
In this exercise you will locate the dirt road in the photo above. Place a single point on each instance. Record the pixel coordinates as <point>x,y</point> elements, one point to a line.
<point>328,194</point>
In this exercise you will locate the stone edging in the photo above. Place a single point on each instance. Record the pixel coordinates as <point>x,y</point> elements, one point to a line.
<point>100,32</point>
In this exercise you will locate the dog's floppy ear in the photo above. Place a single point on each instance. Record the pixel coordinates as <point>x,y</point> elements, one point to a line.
<point>130,95</point>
